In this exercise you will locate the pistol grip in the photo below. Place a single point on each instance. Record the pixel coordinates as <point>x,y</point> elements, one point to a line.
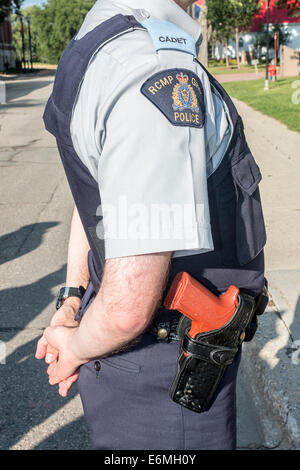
<point>207,311</point>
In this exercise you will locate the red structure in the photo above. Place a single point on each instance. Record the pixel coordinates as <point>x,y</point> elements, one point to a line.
<point>291,26</point>
<point>7,56</point>
<point>276,15</point>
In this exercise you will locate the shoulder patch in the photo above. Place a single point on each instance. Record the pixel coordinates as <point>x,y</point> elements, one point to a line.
<point>166,35</point>
<point>178,94</point>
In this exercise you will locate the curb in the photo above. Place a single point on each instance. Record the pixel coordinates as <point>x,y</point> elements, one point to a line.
<point>271,367</point>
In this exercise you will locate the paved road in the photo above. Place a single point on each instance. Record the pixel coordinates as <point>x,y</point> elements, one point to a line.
<point>36,208</point>
<point>35,212</point>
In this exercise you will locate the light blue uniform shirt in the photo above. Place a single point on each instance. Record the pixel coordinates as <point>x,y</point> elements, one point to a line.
<point>152,174</point>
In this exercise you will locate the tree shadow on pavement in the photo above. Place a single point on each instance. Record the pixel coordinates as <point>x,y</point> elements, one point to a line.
<point>273,374</point>
<point>73,436</point>
<point>19,89</point>
<point>20,305</point>
<point>28,76</point>
<point>26,399</point>
<point>295,326</point>
<point>13,245</point>
<point>22,104</point>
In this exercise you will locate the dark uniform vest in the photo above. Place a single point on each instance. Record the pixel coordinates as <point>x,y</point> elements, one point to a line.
<point>236,214</point>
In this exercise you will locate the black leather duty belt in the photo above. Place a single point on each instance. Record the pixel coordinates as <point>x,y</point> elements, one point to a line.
<point>165,331</point>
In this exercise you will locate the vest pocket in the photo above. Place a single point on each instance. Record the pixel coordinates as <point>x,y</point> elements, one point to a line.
<point>250,226</point>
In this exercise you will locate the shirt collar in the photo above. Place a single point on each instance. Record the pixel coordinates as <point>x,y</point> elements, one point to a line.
<point>166,10</point>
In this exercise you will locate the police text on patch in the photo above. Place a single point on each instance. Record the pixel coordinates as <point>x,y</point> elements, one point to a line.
<point>178,94</point>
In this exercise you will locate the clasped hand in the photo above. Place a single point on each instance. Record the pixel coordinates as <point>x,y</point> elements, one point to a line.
<point>54,347</point>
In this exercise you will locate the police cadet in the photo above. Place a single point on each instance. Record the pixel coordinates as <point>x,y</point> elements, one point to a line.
<point>163,182</point>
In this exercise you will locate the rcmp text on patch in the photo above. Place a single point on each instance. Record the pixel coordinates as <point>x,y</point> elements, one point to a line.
<point>178,94</point>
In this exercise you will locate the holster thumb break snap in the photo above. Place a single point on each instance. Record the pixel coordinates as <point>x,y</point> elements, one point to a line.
<point>211,331</point>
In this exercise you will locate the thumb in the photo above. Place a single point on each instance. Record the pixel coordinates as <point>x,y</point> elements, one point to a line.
<point>51,355</point>
<point>53,336</point>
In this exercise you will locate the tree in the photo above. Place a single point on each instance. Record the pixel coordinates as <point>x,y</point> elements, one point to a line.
<point>17,38</point>
<point>58,22</point>
<point>220,16</point>
<point>9,6</point>
<point>52,26</point>
<point>229,18</point>
<point>292,6</point>
<point>283,35</point>
<point>244,12</point>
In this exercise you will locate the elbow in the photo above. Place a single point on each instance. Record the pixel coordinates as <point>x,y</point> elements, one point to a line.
<point>133,324</point>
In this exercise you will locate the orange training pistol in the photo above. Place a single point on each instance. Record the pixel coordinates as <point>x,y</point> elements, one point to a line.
<point>207,311</point>
<point>207,346</point>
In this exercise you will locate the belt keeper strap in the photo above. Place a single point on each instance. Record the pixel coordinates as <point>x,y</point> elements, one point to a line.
<point>220,355</point>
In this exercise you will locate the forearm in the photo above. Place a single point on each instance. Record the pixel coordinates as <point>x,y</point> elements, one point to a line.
<point>77,270</point>
<point>77,275</point>
<point>77,267</point>
<point>130,294</point>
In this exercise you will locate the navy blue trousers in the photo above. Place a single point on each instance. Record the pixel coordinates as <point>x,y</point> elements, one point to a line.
<point>127,404</point>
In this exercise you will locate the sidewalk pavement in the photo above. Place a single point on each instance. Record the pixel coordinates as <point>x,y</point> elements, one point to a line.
<point>272,360</point>
<point>237,77</point>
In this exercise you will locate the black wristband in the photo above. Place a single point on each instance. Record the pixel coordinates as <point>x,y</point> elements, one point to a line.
<point>66,292</point>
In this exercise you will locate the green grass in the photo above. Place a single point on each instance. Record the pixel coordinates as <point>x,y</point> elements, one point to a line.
<point>223,70</point>
<point>277,102</point>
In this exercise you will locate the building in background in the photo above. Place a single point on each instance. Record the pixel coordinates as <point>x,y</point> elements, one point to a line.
<point>248,39</point>
<point>7,54</point>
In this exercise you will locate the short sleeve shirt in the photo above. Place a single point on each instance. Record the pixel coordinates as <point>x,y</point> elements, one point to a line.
<point>143,124</point>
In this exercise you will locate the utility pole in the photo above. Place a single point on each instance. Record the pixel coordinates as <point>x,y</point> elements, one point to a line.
<point>276,45</point>
<point>268,47</point>
<point>237,42</point>
<point>23,42</point>
<point>28,19</point>
<point>2,41</point>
